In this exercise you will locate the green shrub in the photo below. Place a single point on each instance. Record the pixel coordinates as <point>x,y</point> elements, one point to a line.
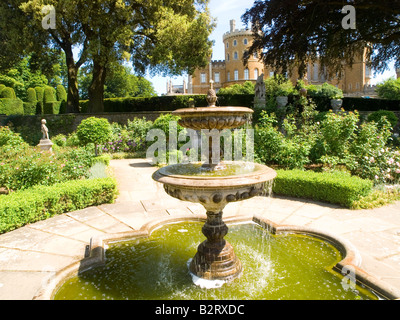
<point>31,95</point>
<point>38,203</point>
<point>59,140</point>
<point>334,187</point>
<point>325,90</point>
<point>337,130</point>
<point>61,94</point>
<point>31,102</point>
<point>104,158</point>
<point>23,167</point>
<point>49,94</point>
<point>137,130</point>
<point>52,107</point>
<point>8,93</point>
<point>389,89</point>
<point>94,130</point>
<point>11,106</point>
<point>9,138</point>
<point>40,97</point>
<point>278,86</point>
<point>377,115</point>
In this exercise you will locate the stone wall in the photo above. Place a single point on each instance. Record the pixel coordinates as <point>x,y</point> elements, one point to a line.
<point>73,120</point>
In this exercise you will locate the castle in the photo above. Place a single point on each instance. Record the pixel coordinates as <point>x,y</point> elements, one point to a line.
<point>354,82</point>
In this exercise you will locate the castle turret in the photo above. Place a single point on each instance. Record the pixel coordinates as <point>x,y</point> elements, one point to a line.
<point>236,42</point>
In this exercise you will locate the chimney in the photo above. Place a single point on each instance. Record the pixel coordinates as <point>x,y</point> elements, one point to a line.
<point>233,25</point>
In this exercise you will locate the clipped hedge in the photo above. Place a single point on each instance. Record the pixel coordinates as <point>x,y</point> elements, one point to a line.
<point>168,103</point>
<point>372,104</point>
<point>333,187</point>
<point>11,106</point>
<point>38,203</point>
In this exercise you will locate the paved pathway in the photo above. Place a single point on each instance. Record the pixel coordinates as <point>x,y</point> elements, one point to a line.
<point>31,255</point>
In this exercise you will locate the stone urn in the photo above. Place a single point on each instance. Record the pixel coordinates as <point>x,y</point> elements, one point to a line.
<point>282,101</point>
<point>336,104</point>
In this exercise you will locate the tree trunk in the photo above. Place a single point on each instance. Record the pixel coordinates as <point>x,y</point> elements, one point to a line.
<point>73,92</point>
<point>96,88</point>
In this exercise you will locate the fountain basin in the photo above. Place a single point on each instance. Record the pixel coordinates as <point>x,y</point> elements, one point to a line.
<point>153,266</point>
<point>214,190</point>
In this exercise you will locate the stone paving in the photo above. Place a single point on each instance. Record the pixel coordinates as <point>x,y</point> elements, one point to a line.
<point>31,255</point>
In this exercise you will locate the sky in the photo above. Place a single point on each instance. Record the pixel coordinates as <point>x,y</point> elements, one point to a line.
<point>224,11</point>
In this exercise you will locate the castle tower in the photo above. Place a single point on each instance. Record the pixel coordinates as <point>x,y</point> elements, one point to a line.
<point>236,42</point>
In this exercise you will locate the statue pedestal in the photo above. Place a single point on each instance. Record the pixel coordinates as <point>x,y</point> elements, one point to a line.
<point>45,145</point>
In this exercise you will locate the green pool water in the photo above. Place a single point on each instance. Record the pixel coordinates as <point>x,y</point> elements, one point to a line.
<point>274,267</point>
<point>196,169</point>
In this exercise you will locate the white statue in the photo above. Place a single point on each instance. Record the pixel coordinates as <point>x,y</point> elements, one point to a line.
<point>45,131</point>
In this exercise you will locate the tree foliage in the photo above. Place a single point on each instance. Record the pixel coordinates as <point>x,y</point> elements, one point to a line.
<point>245,88</point>
<point>159,36</point>
<point>291,33</point>
<point>389,89</point>
<point>120,83</point>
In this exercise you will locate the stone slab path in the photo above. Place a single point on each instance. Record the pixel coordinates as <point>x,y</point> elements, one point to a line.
<point>30,256</point>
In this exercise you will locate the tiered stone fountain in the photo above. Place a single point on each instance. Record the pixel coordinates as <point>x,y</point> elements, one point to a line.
<point>214,185</point>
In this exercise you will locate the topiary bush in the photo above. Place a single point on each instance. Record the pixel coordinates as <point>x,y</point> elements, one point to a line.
<point>333,187</point>
<point>50,103</point>
<point>31,102</point>
<point>40,102</point>
<point>11,106</point>
<point>8,93</point>
<point>94,130</point>
<point>61,95</point>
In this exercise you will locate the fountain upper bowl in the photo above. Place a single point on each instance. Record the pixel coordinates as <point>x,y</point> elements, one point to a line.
<point>215,189</point>
<point>213,117</point>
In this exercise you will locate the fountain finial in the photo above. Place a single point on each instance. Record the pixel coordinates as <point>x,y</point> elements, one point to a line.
<point>211,95</point>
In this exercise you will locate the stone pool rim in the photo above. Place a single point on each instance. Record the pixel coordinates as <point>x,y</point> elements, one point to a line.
<point>95,253</point>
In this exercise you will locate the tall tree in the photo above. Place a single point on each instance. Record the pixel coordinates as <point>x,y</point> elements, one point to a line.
<point>120,83</point>
<point>65,33</point>
<point>291,33</point>
<point>160,36</point>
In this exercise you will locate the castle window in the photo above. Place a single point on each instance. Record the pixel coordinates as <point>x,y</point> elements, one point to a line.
<point>245,41</point>
<point>357,85</point>
<point>256,74</point>
<point>227,57</point>
<point>255,55</point>
<point>246,74</point>
<point>203,78</point>
<point>235,56</point>
<point>350,86</point>
<point>228,76</point>
<point>216,77</point>
<point>227,44</point>
<point>234,43</point>
<point>236,75</point>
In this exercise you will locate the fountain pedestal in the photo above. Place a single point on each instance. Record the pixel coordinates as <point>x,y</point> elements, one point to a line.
<point>215,258</point>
